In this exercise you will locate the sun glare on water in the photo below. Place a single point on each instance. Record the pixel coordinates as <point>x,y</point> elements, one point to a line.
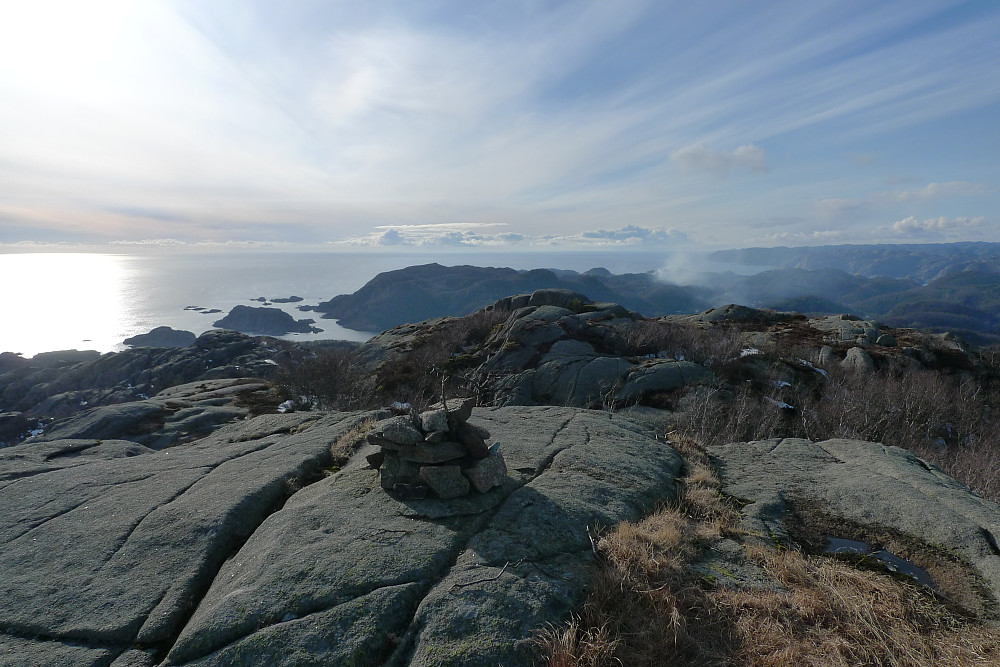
<point>55,297</point>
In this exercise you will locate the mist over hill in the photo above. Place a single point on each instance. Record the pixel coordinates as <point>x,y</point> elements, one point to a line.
<point>939,288</point>
<point>922,262</point>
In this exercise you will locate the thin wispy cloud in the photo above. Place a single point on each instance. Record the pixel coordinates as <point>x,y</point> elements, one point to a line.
<point>701,157</point>
<point>944,190</point>
<point>253,120</point>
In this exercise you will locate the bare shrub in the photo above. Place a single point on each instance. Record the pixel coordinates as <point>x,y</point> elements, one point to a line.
<point>712,347</point>
<point>949,421</point>
<point>441,361</point>
<point>328,379</point>
<point>718,416</point>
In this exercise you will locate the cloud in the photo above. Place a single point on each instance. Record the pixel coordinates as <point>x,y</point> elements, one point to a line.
<point>815,237</point>
<point>151,242</point>
<point>391,237</point>
<point>943,191</point>
<point>837,208</point>
<point>911,226</point>
<point>699,157</point>
<point>238,119</point>
<point>468,235</point>
<point>632,234</point>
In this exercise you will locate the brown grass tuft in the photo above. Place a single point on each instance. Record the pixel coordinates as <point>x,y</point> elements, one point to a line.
<point>349,442</point>
<point>647,606</point>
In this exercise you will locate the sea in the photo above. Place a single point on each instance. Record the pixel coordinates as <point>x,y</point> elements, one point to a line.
<point>94,300</point>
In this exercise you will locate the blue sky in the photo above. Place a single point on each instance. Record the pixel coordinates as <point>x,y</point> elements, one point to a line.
<point>514,124</point>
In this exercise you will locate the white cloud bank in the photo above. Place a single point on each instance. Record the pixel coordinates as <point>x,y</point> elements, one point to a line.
<point>471,235</point>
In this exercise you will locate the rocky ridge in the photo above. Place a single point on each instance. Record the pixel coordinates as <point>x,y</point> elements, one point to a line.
<point>185,529</point>
<point>58,385</point>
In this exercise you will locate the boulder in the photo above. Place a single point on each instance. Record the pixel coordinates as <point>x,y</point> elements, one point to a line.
<point>445,481</point>
<point>178,414</point>
<point>487,473</point>
<point>471,440</point>
<point>396,432</point>
<point>434,420</point>
<point>427,452</point>
<point>562,298</point>
<point>858,360</point>
<point>662,375</point>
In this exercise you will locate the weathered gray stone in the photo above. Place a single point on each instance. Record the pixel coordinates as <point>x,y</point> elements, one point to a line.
<point>662,375</point>
<point>398,430</point>
<point>460,409</point>
<point>531,333</point>
<point>340,570</point>
<point>886,340</point>
<point>471,440</point>
<point>481,432</point>
<point>571,348</point>
<point>487,473</point>
<point>562,298</point>
<point>866,483</point>
<point>436,436</point>
<point>437,452</point>
<point>434,420</point>
<point>113,550</point>
<point>446,481</point>
<point>396,471</point>
<point>825,356</point>
<point>31,459</point>
<point>858,360</point>
<point>110,421</point>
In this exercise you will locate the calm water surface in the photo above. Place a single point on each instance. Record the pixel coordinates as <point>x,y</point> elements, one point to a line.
<point>61,301</point>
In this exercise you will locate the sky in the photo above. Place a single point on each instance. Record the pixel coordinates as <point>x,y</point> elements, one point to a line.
<point>516,124</point>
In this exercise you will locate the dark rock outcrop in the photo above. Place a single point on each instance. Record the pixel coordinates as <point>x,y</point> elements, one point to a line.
<point>61,385</point>
<point>162,337</point>
<point>179,414</point>
<point>264,322</point>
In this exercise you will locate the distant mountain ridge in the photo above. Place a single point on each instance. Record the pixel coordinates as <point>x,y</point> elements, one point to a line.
<point>418,293</point>
<point>964,299</point>
<point>922,262</point>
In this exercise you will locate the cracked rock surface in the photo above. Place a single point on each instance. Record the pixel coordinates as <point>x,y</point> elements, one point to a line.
<point>346,574</point>
<point>228,551</point>
<point>867,484</point>
<point>112,547</point>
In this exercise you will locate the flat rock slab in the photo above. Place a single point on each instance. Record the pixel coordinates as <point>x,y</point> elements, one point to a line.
<point>866,483</point>
<point>108,546</point>
<point>346,574</point>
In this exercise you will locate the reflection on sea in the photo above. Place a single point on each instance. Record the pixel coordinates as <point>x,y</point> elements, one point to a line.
<point>60,300</point>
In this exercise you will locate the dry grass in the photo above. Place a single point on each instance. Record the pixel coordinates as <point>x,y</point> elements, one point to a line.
<point>349,442</point>
<point>647,606</point>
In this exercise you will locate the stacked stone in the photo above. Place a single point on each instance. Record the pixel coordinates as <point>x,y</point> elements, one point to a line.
<point>437,452</point>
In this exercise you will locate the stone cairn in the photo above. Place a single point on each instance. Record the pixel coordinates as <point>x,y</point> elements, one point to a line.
<point>436,453</point>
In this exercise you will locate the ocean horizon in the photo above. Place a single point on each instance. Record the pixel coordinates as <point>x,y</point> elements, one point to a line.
<point>95,300</point>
